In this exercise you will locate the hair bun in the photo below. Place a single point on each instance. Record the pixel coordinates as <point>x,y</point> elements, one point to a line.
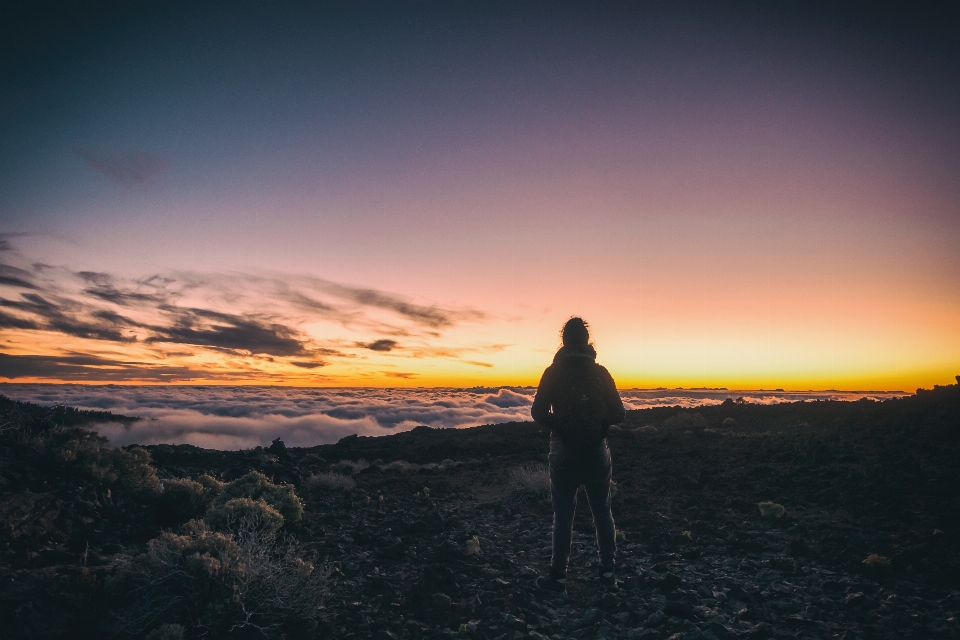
<point>575,332</point>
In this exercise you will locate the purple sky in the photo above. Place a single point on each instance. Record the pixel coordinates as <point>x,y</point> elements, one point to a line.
<point>732,193</point>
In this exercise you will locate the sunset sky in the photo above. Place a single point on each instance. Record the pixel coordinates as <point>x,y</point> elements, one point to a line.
<point>746,195</point>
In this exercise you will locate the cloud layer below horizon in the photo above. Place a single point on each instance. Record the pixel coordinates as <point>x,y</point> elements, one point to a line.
<point>244,417</point>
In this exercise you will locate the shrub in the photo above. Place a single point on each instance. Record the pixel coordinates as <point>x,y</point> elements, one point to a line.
<point>186,578</point>
<point>179,500</point>
<point>257,486</point>
<point>182,499</point>
<point>277,584</point>
<point>131,471</point>
<point>331,481</point>
<point>217,582</point>
<point>529,481</point>
<point>772,510</point>
<point>84,453</point>
<point>227,516</point>
<point>211,486</point>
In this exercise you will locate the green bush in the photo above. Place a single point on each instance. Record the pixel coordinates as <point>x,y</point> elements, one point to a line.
<point>84,453</point>
<point>257,486</point>
<point>131,470</point>
<point>227,516</point>
<point>211,486</point>
<point>182,499</point>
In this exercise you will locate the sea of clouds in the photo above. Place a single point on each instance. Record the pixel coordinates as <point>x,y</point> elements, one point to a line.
<point>242,417</point>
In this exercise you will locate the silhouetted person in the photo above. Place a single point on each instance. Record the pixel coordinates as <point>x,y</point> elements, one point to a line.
<point>577,401</point>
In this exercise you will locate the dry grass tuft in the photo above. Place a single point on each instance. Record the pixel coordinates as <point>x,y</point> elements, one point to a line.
<point>328,482</point>
<point>350,466</point>
<point>528,481</point>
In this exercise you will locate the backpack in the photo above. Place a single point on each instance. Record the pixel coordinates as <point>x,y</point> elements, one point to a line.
<point>579,407</point>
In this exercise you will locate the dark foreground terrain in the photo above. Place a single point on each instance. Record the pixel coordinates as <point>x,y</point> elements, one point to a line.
<point>441,533</point>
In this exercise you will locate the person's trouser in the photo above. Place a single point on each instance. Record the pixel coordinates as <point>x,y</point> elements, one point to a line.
<point>569,470</point>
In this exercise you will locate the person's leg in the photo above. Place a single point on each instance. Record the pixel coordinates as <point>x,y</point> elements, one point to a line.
<point>563,493</point>
<point>598,494</point>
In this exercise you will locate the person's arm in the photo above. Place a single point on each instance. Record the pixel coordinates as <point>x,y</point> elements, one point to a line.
<point>543,400</point>
<point>611,399</point>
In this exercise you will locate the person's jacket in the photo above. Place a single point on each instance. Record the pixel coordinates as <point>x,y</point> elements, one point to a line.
<point>549,387</point>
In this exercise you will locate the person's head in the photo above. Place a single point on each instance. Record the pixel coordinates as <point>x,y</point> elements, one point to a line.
<point>575,333</point>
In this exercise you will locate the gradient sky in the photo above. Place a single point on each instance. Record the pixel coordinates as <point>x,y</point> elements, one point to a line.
<point>751,195</point>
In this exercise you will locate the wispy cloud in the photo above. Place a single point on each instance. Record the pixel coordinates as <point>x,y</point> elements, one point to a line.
<point>15,277</point>
<point>477,363</point>
<point>259,322</point>
<point>430,316</point>
<point>5,240</point>
<point>129,167</point>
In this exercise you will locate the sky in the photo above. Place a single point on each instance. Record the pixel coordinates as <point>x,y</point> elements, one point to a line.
<point>746,195</point>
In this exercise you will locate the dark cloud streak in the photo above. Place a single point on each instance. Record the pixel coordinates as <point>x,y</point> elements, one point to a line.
<point>379,345</point>
<point>10,322</point>
<point>129,168</point>
<point>85,367</point>
<point>59,321</point>
<point>307,365</point>
<point>235,333</point>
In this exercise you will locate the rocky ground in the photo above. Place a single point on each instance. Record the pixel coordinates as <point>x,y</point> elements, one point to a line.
<point>432,533</point>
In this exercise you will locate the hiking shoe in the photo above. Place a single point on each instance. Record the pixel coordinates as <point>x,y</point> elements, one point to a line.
<point>556,585</point>
<point>608,576</point>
